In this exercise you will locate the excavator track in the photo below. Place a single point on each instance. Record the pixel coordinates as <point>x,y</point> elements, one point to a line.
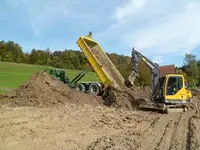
<point>163,107</point>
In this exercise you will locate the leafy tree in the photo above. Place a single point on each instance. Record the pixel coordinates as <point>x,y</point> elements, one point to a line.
<point>2,50</point>
<point>191,69</point>
<point>7,57</point>
<point>15,50</point>
<point>33,56</point>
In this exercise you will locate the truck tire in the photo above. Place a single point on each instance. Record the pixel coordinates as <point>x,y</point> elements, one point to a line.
<point>80,87</point>
<point>95,89</point>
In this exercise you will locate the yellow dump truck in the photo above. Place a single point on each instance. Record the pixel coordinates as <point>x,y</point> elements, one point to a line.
<point>102,65</point>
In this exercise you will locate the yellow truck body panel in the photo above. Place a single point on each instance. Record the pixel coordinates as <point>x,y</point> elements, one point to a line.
<point>102,65</point>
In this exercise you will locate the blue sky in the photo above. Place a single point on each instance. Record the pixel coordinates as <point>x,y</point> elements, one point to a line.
<point>163,30</point>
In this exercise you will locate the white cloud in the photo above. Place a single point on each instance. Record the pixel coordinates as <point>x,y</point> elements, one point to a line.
<point>41,13</point>
<point>129,8</point>
<point>157,27</point>
<point>178,32</point>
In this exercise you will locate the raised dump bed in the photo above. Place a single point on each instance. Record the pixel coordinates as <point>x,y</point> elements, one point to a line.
<point>102,65</point>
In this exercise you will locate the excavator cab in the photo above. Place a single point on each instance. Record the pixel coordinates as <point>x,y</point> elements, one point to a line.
<point>172,90</point>
<point>175,91</point>
<point>172,95</point>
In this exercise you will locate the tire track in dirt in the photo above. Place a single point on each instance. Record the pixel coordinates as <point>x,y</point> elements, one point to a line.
<point>151,124</point>
<point>180,136</point>
<point>198,106</point>
<point>175,126</point>
<point>194,128</point>
<point>157,135</point>
<point>168,131</point>
<point>164,141</point>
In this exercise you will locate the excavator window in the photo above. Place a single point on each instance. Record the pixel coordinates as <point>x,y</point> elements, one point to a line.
<point>161,86</point>
<point>175,83</point>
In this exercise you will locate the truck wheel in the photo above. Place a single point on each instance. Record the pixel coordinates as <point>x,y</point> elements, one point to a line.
<point>94,89</point>
<point>80,87</point>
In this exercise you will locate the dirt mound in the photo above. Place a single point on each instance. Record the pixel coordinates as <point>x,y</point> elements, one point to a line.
<point>127,99</point>
<point>44,90</point>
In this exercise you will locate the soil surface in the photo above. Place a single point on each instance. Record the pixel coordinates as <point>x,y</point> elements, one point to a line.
<point>128,99</point>
<point>97,127</point>
<point>44,91</point>
<point>45,114</point>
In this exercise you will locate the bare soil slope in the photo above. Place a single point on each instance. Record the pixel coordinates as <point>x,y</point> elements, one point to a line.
<point>127,99</point>
<point>44,90</point>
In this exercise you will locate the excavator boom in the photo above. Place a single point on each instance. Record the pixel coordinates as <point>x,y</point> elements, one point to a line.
<point>154,68</point>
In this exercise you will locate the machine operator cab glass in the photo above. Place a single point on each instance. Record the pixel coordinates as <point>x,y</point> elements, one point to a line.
<point>174,84</point>
<point>175,91</point>
<point>172,89</point>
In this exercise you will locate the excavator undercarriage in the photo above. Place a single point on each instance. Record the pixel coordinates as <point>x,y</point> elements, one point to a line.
<point>162,107</point>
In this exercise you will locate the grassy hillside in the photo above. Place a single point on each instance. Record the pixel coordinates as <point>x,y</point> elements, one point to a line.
<point>12,75</point>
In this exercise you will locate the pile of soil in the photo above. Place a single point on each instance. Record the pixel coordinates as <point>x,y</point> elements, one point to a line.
<point>43,90</point>
<point>127,99</point>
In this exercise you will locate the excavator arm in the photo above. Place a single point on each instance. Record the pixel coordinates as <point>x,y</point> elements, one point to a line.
<point>154,68</point>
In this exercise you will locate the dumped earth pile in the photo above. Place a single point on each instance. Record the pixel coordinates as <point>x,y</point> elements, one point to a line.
<point>43,90</point>
<point>128,99</point>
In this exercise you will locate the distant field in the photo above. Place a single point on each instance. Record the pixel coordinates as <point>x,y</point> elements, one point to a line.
<point>12,75</point>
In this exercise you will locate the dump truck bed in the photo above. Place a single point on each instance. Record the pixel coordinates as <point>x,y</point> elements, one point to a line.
<point>102,65</point>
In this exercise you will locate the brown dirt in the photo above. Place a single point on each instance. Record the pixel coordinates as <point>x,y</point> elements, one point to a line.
<point>97,127</point>
<point>194,123</point>
<point>43,90</point>
<point>127,99</point>
<point>79,121</point>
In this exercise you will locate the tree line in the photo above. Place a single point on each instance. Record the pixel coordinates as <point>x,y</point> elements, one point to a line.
<point>75,59</point>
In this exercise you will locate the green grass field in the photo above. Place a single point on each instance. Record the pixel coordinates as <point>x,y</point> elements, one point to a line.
<point>12,75</point>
